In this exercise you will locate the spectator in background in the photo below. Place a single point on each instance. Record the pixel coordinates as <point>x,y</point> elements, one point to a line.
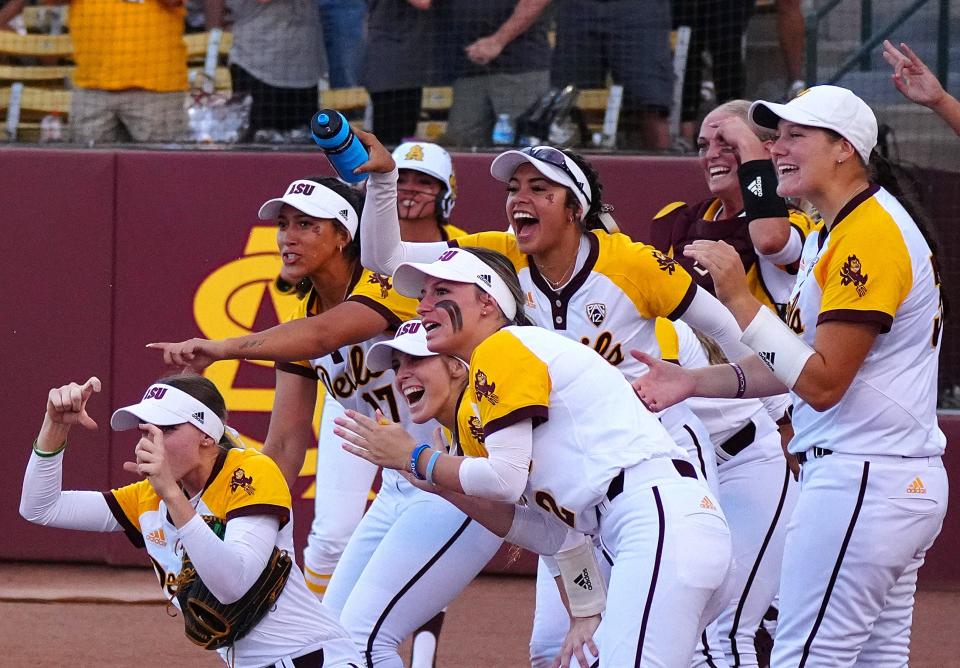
<point>276,57</point>
<point>630,40</point>
<point>344,39</point>
<point>131,78</point>
<point>793,39</point>
<point>716,26</point>
<point>918,84</point>
<point>500,60</point>
<point>399,32</point>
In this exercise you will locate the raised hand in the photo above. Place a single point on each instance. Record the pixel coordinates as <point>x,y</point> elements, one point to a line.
<point>725,267</point>
<point>911,76</point>
<point>67,404</point>
<point>152,462</point>
<point>380,161</point>
<point>195,354</point>
<point>735,132</point>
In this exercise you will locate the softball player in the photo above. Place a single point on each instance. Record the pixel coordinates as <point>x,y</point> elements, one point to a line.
<point>598,463</point>
<point>859,353</point>
<point>381,593</point>
<point>744,211</point>
<point>424,205</point>
<point>227,507</point>
<point>600,289</point>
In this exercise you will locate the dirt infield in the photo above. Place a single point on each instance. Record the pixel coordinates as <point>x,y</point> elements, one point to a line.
<point>68,615</point>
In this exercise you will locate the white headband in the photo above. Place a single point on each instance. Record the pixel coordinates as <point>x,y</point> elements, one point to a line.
<point>166,405</point>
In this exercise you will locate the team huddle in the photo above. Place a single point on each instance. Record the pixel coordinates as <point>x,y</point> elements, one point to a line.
<point>732,423</point>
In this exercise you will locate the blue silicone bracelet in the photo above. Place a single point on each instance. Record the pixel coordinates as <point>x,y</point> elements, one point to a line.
<point>414,457</point>
<point>433,462</point>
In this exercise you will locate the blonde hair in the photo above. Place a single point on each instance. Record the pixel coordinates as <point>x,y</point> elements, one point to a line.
<point>741,109</point>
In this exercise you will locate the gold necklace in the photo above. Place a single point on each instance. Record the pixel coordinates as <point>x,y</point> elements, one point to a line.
<point>567,274</point>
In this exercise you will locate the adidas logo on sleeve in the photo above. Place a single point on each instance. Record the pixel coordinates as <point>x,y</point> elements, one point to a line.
<point>583,580</point>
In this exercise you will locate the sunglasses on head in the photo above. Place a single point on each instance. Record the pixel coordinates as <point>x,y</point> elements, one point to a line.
<point>558,159</point>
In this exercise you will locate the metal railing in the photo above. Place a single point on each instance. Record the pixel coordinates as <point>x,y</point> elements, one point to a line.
<point>869,40</point>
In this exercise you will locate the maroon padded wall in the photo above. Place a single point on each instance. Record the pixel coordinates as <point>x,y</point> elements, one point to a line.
<point>122,248</point>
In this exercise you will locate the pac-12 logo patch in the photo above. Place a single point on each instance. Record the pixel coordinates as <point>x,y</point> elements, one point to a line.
<point>852,273</point>
<point>667,264</point>
<point>383,282</point>
<point>596,313</point>
<point>241,480</point>
<point>485,389</point>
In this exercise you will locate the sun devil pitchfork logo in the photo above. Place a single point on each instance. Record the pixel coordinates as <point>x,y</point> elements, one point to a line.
<point>484,388</point>
<point>852,273</point>
<point>383,282</point>
<point>241,480</point>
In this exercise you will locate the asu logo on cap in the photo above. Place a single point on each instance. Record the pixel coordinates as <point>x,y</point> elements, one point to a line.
<point>415,153</point>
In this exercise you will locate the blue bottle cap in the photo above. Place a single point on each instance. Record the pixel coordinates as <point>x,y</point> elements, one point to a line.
<point>323,119</point>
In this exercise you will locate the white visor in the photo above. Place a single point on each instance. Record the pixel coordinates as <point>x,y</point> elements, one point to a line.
<point>166,405</point>
<point>573,178</point>
<point>459,266</point>
<point>411,338</point>
<point>830,107</point>
<point>314,200</point>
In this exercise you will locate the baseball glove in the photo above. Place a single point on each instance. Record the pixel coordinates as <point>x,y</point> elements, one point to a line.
<point>212,624</point>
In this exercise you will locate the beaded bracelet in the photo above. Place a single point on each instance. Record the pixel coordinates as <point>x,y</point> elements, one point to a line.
<point>415,457</point>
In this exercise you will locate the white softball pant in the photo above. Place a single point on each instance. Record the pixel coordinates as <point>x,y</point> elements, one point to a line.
<point>758,494</point>
<point>670,547</point>
<point>411,555</point>
<point>342,490</point>
<point>858,536</point>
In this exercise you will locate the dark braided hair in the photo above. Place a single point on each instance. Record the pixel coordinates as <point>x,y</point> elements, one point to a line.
<point>592,220</point>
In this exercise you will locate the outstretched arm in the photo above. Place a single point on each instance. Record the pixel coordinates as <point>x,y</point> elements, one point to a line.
<point>301,339</point>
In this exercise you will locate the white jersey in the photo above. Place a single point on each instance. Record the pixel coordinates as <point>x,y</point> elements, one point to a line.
<point>873,266</point>
<point>588,424</point>
<point>344,372</point>
<point>722,417</point>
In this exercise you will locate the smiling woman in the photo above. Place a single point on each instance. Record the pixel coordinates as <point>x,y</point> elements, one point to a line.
<point>213,517</point>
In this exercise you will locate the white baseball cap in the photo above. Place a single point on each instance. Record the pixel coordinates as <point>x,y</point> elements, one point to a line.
<point>314,200</point>
<point>434,161</point>
<point>166,405</point>
<point>411,338</point>
<point>553,164</point>
<point>459,266</point>
<point>831,107</point>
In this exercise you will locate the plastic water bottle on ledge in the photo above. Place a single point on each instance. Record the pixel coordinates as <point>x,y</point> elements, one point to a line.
<point>333,134</point>
<point>51,128</point>
<point>503,131</point>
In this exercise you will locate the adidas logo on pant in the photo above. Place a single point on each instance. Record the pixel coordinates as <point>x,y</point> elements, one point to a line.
<point>583,580</point>
<point>916,487</point>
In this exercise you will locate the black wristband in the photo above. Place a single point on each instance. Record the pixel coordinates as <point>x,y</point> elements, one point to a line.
<point>758,185</point>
